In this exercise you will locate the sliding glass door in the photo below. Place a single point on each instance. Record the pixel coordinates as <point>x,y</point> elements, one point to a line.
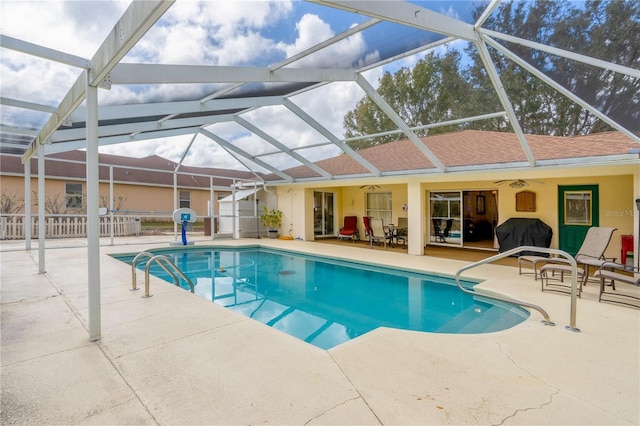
<point>323,216</point>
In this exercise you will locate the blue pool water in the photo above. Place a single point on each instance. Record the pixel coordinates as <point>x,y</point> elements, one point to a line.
<point>326,302</point>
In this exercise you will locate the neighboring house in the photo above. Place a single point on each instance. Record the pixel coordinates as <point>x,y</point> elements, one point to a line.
<point>141,186</point>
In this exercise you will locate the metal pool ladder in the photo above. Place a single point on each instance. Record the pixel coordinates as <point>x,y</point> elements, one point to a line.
<point>162,261</point>
<point>547,320</point>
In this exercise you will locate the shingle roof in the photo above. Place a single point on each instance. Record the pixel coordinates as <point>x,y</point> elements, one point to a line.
<point>456,149</point>
<point>474,148</point>
<point>126,169</point>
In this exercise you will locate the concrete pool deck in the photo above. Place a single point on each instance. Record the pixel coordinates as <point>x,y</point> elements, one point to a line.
<point>179,359</point>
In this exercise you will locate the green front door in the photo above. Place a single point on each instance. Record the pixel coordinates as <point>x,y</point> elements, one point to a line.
<point>578,211</point>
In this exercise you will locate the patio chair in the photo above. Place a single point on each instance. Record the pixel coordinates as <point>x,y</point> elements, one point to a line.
<point>402,231</point>
<point>591,253</point>
<point>447,228</point>
<point>366,220</point>
<point>613,272</point>
<point>350,229</point>
<point>377,233</point>
<point>442,234</point>
<point>437,230</point>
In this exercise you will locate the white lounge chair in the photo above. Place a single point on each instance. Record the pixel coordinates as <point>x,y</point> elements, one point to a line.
<point>377,232</point>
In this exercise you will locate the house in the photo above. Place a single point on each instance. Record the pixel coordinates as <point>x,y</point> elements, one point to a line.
<point>487,181</point>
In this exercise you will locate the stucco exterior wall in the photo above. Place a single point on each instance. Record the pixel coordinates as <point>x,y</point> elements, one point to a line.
<point>618,186</point>
<point>139,199</point>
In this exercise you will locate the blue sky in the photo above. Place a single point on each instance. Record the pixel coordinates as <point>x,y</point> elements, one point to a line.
<point>246,33</point>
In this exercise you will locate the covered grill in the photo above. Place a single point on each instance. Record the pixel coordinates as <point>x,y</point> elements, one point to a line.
<point>516,232</point>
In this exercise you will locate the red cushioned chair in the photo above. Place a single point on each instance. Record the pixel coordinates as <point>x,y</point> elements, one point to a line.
<point>350,229</point>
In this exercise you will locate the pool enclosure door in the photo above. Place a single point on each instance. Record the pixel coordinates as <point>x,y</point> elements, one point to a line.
<point>445,217</point>
<point>323,214</point>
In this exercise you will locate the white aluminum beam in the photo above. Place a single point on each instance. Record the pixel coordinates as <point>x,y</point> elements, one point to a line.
<point>115,140</point>
<point>67,135</point>
<point>300,55</point>
<point>27,206</point>
<point>42,228</point>
<point>333,40</point>
<point>114,112</point>
<point>631,72</point>
<point>551,82</point>
<point>18,131</point>
<point>74,97</point>
<point>43,52</point>
<point>407,14</point>
<point>504,99</point>
<point>93,217</point>
<point>331,137</point>
<point>179,74</point>
<point>486,13</point>
<point>430,126</point>
<point>27,105</point>
<point>134,23</point>
<point>229,146</point>
<point>13,145</point>
<point>283,148</point>
<point>184,154</point>
<point>390,112</point>
<point>407,53</point>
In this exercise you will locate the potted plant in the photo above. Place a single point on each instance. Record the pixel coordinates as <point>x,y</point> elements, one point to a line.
<point>271,218</point>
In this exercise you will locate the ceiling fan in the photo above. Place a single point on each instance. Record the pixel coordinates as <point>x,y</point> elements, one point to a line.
<point>370,187</point>
<point>517,183</point>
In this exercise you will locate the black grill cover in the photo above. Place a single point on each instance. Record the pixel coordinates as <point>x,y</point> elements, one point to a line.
<point>517,232</point>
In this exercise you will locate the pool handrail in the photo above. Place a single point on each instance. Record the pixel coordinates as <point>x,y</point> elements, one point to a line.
<point>516,250</point>
<point>159,260</point>
<point>140,255</point>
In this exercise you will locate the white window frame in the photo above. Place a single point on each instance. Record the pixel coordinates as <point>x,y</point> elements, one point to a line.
<point>380,205</point>
<point>72,198</point>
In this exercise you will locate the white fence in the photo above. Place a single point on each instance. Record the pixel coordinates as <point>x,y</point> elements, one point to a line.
<point>66,226</point>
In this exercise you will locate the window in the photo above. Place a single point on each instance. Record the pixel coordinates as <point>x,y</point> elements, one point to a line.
<point>577,208</point>
<point>73,195</point>
<point>185,199</point>
<point>379,205</point>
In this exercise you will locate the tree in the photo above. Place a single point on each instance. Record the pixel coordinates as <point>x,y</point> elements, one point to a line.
<point>10,204</point>
<point>54,205</point>
<point>432,91</point>
<point>438,88</point>
<point>592,29</point>
<point>118,201</point>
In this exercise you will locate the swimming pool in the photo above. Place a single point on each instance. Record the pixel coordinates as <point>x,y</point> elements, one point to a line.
<point>327,302</point>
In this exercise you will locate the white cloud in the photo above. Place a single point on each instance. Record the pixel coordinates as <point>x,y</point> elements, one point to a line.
<point>191,32</point>
<point>68,26</point>
<point>451,12</point>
